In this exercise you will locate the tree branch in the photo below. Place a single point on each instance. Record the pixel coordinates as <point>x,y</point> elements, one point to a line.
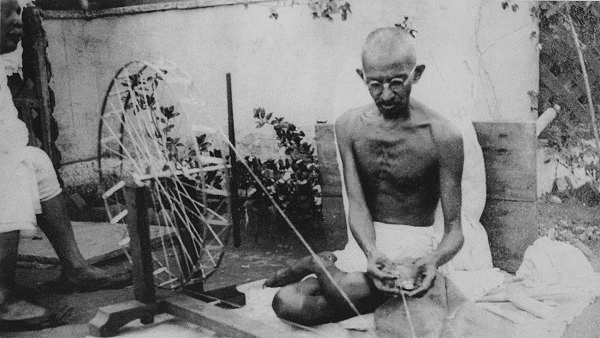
<point>586,81</point>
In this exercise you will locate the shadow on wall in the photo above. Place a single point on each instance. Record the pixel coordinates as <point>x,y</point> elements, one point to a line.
<point>91,5</point>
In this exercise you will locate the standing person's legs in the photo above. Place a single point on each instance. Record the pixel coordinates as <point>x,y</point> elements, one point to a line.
<point>76,273</point>
<point>11,308</point>
<point>56,225</point>
<point>9,242</point>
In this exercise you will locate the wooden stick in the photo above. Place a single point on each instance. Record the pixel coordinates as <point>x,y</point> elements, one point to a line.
<point>233,186</point>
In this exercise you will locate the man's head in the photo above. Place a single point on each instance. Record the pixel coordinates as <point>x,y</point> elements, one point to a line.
<point>11,26</point>
<point>390,68</point>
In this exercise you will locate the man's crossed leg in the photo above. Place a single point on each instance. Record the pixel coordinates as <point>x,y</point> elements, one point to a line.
<point>316,300</point>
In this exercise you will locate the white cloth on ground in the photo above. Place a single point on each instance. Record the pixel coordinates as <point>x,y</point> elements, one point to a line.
<point>553,285</point>
<point>549,264</point>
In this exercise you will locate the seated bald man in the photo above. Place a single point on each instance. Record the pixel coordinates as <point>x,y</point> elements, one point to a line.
<point>28,185</point>
<point>400,159</point>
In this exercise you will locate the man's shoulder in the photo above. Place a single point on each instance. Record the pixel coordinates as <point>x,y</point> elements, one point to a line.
<point>442,128</point>
<point>349,117</point>
<point>351,114</point>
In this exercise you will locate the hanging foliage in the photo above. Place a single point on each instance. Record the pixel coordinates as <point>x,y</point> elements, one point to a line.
<point>325,9</point>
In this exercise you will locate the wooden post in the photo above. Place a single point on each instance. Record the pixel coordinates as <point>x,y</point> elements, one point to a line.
<point>510,215</point>
<point>141,249</point>
<point>334,215</point>
<point>233,187</point>
<point>110,318</point>
<point>36,68</point>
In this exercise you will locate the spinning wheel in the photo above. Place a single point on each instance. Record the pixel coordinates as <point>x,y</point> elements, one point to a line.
<point>155,159</point>
<point>149,133</point>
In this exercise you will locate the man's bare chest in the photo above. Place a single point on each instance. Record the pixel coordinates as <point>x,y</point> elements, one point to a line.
<point>395,154</point>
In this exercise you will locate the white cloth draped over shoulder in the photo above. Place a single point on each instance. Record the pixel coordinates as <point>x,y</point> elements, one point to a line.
<point>19,199</point>
<point>475,253</point>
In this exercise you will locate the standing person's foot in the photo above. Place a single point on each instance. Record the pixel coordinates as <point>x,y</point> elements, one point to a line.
<point>21,315</point>
<point>91,278</point>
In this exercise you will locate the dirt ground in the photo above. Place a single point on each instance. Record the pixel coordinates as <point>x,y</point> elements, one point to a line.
<point>250,262</point>
<point>253,261</point>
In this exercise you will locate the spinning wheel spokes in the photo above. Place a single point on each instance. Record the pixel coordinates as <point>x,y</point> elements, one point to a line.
<point>145,135</point>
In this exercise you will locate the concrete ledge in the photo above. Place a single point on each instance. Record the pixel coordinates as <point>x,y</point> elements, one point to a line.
<point>511,228</point>
<point>145,8</point>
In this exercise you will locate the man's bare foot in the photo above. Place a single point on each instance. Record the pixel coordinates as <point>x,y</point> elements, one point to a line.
<point>91,278</point>
<point>298,270</point>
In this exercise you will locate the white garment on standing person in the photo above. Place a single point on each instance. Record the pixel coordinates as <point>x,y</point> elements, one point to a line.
<point>26,173</point>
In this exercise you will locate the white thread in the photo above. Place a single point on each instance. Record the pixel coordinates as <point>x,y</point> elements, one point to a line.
<point>410,323</point>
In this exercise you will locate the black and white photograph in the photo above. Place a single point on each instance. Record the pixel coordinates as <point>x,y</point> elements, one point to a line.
<point>299,168</point>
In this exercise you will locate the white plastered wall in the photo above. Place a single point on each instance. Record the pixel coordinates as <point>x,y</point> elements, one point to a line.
<point>481,63</point>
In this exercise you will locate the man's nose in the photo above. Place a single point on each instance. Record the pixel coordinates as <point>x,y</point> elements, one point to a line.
<point>387,94</point>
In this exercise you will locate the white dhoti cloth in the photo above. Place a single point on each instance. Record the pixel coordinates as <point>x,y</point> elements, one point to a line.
<point>396,241</point>
<point>26,178</point>
<point>399,241</point>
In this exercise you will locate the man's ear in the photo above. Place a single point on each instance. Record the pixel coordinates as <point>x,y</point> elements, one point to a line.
<point>418,72</point>
<point>360,73</point>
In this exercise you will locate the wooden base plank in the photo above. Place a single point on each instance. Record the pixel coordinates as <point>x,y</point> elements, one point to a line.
<point>110,319</point>
<point>222,321</point>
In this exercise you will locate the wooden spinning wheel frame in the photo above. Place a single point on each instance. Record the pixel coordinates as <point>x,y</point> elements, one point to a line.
<point>149,133</point>
<point>162,171</point>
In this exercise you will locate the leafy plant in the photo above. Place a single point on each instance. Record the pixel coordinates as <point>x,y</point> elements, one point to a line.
<point>406,24</point>
<point>176,154</point>
<point>293,182</point>
<point>325,9</point>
